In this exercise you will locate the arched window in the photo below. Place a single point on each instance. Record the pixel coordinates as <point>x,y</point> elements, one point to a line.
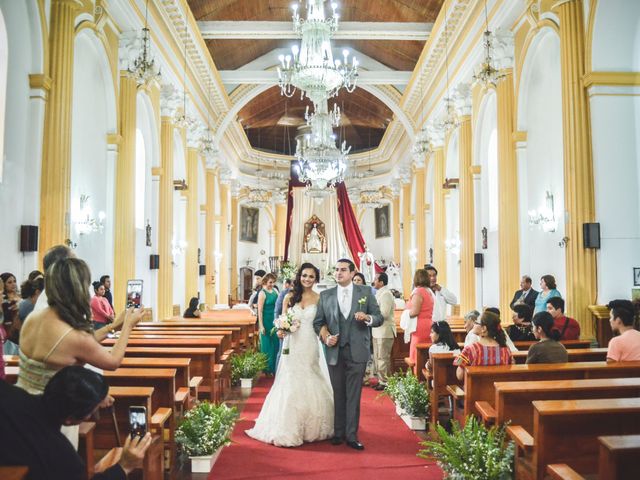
<point>492,164</point>
<point>4,60</point>
<point>141,163</point>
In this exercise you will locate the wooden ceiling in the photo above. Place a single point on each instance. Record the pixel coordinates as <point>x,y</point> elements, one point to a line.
<point>366,117</point>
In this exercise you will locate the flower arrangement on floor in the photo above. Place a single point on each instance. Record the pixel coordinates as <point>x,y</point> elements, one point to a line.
<point>247,365</point>
<point>206,428</point>
<point>471,453</point>
<point>408,393</point>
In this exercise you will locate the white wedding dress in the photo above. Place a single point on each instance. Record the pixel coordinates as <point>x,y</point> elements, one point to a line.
<point>299,406</point>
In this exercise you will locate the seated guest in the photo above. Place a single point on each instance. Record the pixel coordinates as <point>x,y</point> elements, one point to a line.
<point>29,291</point>
<point>526,295</point>
<point>548,349</point>
<point>569,329</point>
<point>626,346</point>
<point>192,311</point>
<point>547,291</point>
<point>492,348</point>
<point>101,310</point>
<point>472,327</point>
<point>30,427</point>
<point>10,319</point>
<point>520,331</point>
<point>442,341</point>
<point>496,311</point>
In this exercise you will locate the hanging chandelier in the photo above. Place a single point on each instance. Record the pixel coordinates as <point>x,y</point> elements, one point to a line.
<point>144,67</point>
<point>311,67</point>
<point>321,164</point>
<point>450,119</point>
<point>258,197</point>
<point>487,74</point>
<point>422,145</point>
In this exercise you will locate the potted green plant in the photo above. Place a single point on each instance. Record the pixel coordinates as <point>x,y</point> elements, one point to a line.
<point>204,430</point>
<point>245,366</point>
<point>392,389</point>
<point>413,400</point>
<point>471,453</point>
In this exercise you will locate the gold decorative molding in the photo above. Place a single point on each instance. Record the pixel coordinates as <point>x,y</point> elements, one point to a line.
<point>618,79</point>
<point>475,169</point>
<point>519,136</point>
<point>114,139</point>
<point>599,311</point>
<point>40,80</point>
<point>157,171</point>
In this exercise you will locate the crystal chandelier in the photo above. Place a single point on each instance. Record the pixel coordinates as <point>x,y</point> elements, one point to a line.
<point>320,162</point>
<point>370,198</point>
<point>258,197</point>
<point>184,120</point>
<point>311,67</point>
<point>207,144</point>
<point>422,146</point>
<point>487,74</point>
<point>450,119</point>
<point>84,221</point>
<point>144,66</point>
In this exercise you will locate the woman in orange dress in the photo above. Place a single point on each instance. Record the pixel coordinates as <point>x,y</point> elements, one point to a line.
<point>421,306</point>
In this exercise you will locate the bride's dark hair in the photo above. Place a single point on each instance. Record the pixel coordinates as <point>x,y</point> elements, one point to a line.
<point>297,284</point>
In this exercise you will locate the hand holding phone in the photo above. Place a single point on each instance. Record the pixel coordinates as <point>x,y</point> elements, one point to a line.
<point>138,421</point>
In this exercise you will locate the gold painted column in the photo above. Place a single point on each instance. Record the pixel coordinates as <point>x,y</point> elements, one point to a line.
<point>421,243</point>
<point>508,231</point>
<point>223,276</point>
<point>439,213</point>
<point>407,274</point>
<point>466,203</point>
<point>56,153</point>
<point>281,228</point>
<point>395,202</point>
<point>124,267</point>
<point>209,239</point>
<point>579,196</point>
<point>191,221</point>
<point>233,233</point>
<point>165,231</point>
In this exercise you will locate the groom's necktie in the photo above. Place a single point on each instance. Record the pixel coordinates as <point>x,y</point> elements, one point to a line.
<point>344,308</point>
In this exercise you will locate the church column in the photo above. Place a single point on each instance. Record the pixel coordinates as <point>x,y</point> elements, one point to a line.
<point>223,277</point>
<point>421,243</point>
<point>191,223</point>
<point>395,204</point>
<point>439,213</point>
<point>124,223</point>
<point>281,227</point>
<point>211,279</point>
<point>579,201</point>
<point>55,185</point>
<point>405,260</point>
<point>508,231</point>
<point>233,235</point>
<point>466,204</point>
<point>165,214</point>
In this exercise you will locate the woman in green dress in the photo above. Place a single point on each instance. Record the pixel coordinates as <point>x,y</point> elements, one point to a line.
<point>269,342</point>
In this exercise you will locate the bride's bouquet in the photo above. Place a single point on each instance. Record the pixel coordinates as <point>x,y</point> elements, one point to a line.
<point>288,323</point>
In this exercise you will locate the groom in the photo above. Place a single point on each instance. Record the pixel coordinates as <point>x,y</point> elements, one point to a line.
<point>348,311</point>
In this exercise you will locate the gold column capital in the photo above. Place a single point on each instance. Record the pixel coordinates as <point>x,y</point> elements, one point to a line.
<point>114,139</point>
<point>40,80</point>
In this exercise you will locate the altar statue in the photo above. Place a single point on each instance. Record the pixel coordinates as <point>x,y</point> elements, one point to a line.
<point>367,265</point>
<point>393,273</point>
<point>314,242</point>
<point>262,263</point>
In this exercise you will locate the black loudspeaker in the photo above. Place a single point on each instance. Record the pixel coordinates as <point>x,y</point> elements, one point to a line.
<point>591,235</point>
<point>478,260</point>
<point>28,238</point>
<point>154,262</point>
<point>203,270</point>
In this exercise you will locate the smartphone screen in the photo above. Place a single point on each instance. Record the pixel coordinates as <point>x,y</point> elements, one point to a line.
<point>134,293</point>
<point>138,421</point>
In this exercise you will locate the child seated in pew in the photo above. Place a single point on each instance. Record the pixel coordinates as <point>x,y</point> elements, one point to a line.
<point>548,349</point>
<point>491,349</point>
<point>192,311</point>
<point>441,341</point>
<point>625,347</point>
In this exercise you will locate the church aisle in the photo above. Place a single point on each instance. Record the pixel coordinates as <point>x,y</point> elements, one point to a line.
<point>390,449</point>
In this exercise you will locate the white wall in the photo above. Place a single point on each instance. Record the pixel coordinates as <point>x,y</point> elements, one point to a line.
<point>92,169</point>
<point>452,211</point>
<point>249,251</point>
<point>379,247</point>
<point>540,116</point>
<point>20,184</point>
<point>616,36</point>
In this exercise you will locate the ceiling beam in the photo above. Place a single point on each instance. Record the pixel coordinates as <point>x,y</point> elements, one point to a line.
<point>270,77</point>
<point>261,30</point>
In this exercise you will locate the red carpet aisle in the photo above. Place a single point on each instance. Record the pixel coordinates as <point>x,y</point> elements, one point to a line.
<point>390,449</point>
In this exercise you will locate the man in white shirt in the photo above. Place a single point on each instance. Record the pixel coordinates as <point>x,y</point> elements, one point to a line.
<point>384,334</point>
<point>441,295</point>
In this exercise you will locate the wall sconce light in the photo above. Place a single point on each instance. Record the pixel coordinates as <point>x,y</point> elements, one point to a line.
<point>563,243</point>
<point>178,247</point>
<point>451,183</point>
<point>453,245</point>
<point>544,216</point>
<point>180,184</point>
<point>85,223</point>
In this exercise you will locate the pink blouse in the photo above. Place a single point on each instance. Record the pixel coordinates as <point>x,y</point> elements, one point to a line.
<point>101,310</point>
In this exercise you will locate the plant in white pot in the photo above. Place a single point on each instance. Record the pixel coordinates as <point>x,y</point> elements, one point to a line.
<point>413,399</point>
<point>204,430</point>
<point>245,366</point>
<point>392,389</point>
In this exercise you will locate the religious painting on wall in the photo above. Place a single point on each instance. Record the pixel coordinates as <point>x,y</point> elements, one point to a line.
<point>249,218</point>
<point>382,221</point>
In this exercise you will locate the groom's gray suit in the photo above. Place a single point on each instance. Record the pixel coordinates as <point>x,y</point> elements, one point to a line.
<point>347,360</point>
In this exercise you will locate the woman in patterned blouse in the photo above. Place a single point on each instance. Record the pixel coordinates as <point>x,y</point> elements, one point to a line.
<point>492,348</point>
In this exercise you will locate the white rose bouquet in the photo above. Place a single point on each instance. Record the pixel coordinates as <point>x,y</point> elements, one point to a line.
<point>288,324</point>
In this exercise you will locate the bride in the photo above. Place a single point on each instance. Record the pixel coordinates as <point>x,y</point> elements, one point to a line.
<point>299,407</point>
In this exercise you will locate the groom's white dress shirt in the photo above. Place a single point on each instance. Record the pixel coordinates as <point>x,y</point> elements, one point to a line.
<point>345,295</point>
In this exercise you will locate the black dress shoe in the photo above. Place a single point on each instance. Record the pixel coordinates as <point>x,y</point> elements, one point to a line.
<point>336,440</point>
<point>379,387</point>
<point>356,445</point>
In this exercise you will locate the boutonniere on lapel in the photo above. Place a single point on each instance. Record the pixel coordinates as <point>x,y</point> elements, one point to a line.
<point>361,302</point>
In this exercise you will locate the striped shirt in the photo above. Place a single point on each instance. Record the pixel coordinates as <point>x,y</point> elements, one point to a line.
<point>478,354</point>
